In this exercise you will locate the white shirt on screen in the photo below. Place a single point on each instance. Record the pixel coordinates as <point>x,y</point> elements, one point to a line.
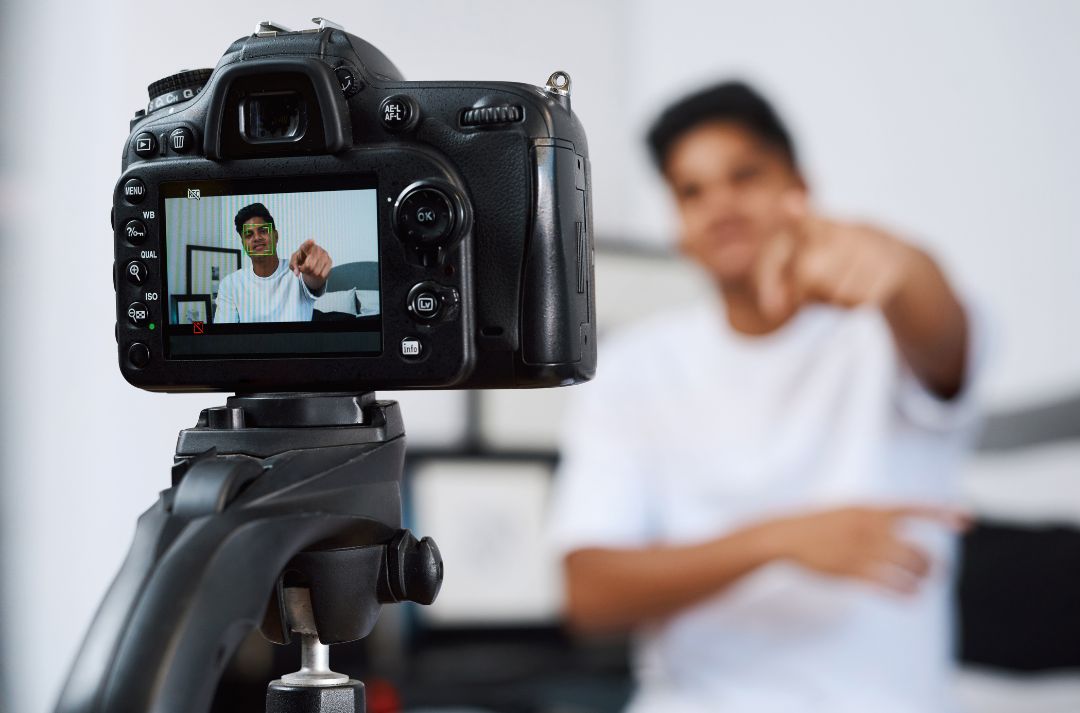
<point>692,430</point>
<point>244,297</point>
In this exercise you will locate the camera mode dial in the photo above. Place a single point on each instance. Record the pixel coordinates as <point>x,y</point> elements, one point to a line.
<point>176,88</point>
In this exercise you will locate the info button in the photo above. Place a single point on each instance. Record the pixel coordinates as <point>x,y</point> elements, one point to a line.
<point>411,348</point>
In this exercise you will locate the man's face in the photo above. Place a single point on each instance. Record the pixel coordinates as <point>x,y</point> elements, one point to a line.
<point>729,188</point>
<point>260,237</point>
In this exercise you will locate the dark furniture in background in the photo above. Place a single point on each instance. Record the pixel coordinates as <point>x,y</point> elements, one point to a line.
<point>1019,585</point>
<point>359,275</point>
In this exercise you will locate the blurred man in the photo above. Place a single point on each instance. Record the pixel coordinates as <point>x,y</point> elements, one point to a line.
<point>761,487</point>
<point>272,290</point>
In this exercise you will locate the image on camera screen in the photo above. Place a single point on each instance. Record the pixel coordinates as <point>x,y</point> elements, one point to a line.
<point>255,273</point>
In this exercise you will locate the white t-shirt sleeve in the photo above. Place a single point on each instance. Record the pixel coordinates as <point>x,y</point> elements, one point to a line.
<point>306,293</point>
<point>226,310</point>
<point>602,489</point>
<point>961,412</point>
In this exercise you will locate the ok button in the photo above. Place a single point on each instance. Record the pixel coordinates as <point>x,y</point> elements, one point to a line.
<point>424,215</point>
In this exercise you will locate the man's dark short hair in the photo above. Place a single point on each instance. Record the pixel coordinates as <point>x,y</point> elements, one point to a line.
<point>732,101</point>
<point>245,214</point>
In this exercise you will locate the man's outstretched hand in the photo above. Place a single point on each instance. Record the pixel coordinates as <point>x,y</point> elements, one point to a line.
<point>312,264</point>
<point>815,259</point>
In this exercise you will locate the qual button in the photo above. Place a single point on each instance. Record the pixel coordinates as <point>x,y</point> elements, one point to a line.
<point>136,272</point>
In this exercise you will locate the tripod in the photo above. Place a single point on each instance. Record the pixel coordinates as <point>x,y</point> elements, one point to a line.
<point>284,513</point>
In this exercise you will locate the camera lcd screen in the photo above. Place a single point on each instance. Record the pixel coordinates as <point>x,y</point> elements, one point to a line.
<point>262,268</point>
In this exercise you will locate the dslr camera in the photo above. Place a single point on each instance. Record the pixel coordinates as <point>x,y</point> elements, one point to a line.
<point>300,218</point>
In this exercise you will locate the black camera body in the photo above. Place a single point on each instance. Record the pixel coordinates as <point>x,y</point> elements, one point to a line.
<point>456,217</point>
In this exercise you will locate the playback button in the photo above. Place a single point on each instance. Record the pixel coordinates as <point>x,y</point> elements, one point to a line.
<point>145,144</point>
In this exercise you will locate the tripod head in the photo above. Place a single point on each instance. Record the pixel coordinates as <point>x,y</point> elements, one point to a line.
<point>285,513</point>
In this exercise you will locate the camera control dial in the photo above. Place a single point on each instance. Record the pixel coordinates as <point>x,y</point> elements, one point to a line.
<point>176,88</point>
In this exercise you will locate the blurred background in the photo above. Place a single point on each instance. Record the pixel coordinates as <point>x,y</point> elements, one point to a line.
<point>953,123</point>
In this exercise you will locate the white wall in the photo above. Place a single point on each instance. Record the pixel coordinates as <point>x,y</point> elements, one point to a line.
<point>953,122</point>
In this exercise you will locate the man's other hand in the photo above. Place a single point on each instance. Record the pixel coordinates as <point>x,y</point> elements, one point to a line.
<point>312,264</point>
<point>861,543</point>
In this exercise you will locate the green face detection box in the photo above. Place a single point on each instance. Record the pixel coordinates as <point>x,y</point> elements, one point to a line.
<point>253,230</point>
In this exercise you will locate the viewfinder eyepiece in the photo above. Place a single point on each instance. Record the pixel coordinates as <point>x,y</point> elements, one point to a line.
<point>273,117</point>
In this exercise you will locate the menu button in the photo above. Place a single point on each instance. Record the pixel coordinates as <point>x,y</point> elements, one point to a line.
<point>134,190</point>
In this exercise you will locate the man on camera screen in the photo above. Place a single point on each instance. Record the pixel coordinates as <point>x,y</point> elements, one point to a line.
<point>272,290</point>
<point>762,487</point>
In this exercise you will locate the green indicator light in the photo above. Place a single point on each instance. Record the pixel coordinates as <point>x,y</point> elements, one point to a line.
<point>151,326</point>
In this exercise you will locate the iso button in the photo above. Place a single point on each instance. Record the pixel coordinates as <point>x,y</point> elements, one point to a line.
<point>425,216</point>
<point>138,314</point>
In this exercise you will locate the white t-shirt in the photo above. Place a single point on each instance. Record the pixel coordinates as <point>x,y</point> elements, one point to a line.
<point>691,430</point>
<point>243,296</point>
